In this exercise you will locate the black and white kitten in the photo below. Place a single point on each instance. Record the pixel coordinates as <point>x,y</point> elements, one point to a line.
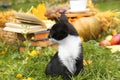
<point>68,61</point>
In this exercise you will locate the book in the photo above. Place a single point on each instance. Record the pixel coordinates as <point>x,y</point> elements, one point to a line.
<point>23,28</point>
<point>28,23</point>
<point>29,18</point>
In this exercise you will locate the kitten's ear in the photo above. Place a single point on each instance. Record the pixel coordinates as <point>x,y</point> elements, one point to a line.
<point>64,18</point>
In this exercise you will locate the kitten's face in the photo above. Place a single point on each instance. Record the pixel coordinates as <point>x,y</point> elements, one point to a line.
<point>58,32</point>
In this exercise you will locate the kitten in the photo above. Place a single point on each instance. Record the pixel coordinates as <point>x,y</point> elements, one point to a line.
<point>68,61</point>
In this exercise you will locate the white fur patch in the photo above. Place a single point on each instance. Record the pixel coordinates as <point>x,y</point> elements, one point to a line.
<point>68,51</point>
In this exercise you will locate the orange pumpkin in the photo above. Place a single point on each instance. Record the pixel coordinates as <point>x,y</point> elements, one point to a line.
<point>87,27</point>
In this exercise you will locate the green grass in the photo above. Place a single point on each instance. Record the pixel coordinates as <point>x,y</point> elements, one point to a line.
<point>105,65</point>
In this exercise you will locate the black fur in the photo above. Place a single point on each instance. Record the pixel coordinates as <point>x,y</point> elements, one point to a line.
<point>55,68</point>
<point>59,31</point>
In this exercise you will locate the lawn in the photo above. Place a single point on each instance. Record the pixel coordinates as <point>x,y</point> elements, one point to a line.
<point>104,64</point>
<point>101,63</point>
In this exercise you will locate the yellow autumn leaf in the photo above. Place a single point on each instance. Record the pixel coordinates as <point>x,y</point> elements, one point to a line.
<point>19,76</point>
<point>87,62</point>
<point>40,11</point>
<point>3,52</point>
<point>41,7</point>
<point>29,78</point>
<point>34,11</point>
<point>34,53</point>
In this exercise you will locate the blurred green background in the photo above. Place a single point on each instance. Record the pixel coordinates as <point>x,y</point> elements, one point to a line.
<point>26,4</point>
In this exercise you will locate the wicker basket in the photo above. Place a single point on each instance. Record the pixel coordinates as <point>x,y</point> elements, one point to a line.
<point>8,37</point>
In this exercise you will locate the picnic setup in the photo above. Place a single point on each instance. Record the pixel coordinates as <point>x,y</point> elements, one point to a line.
<point>27,39</point>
